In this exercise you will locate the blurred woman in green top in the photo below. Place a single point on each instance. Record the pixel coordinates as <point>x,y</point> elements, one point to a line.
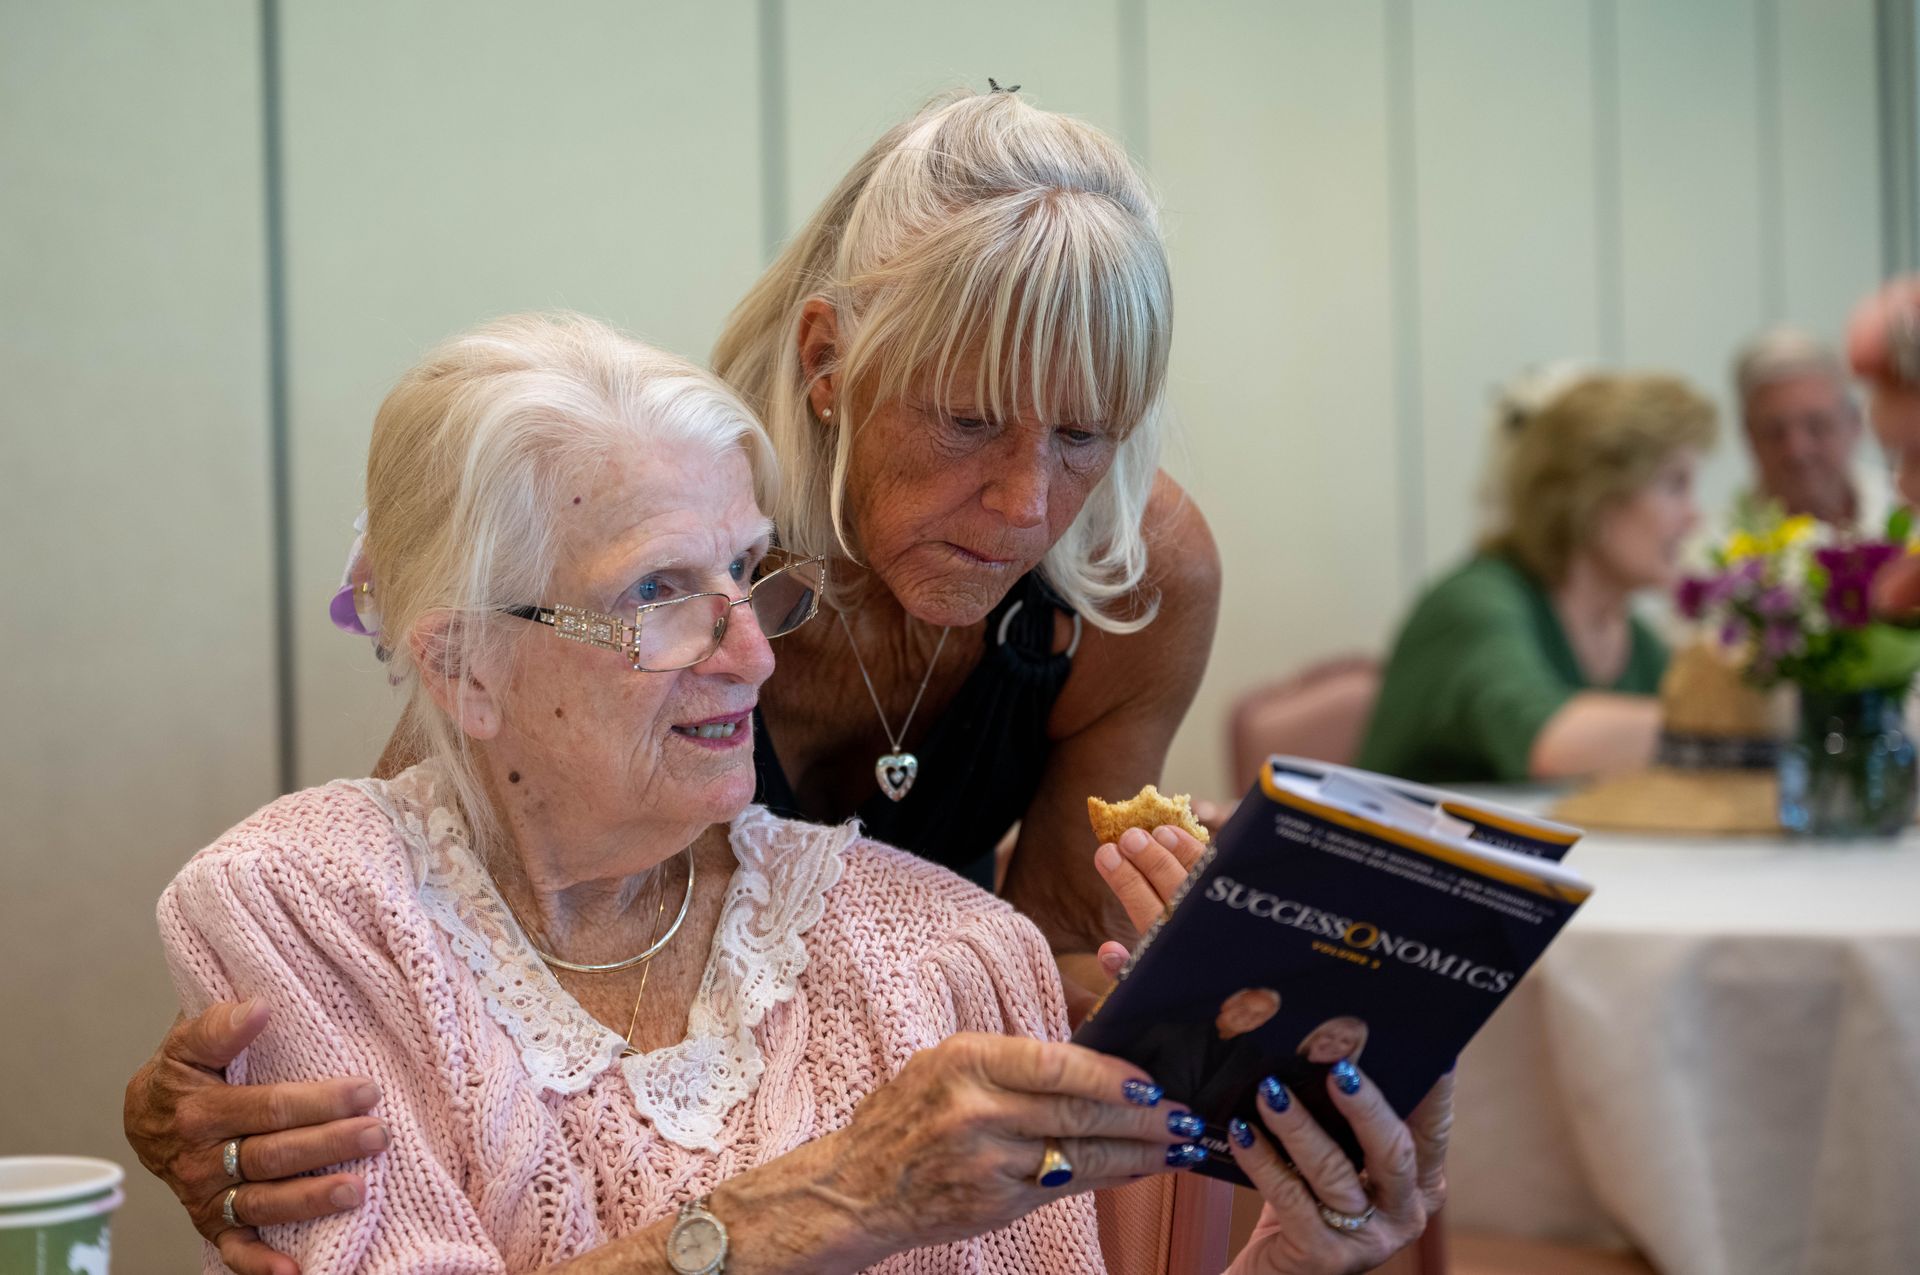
<point>1527,662</point>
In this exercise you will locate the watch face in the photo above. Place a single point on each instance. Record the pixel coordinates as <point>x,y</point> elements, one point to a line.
<point>696,1244</point>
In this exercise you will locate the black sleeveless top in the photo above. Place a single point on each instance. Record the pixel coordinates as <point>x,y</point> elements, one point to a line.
<point>980,764</point>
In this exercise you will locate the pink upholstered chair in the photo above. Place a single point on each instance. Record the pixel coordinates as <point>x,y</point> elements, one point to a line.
<point>1320,712</point>
<point>1181,1224</point>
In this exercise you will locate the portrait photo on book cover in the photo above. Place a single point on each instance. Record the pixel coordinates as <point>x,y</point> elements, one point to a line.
<point>1304,1073</point>
<point>1214,1068</point>
<point>1210,1066</point>
<point>1337,1038</point>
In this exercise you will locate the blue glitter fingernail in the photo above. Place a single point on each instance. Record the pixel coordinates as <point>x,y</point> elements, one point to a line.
<point>1274,1094</point>
<point>1186,1154</point>
<point>1347,1077</point>
<point>1142,1094</point>
<point>1240,1131</point>
<point>1186,1124</point>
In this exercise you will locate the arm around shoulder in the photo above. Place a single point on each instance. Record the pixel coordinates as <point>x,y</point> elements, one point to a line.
<point>290,909</point>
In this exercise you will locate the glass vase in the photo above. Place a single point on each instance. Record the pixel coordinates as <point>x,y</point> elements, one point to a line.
<point>1850,769</point>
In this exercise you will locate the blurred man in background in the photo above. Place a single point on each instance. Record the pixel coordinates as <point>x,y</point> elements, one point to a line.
<point>1803,428</point>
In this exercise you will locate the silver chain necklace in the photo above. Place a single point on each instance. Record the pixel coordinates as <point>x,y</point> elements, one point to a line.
<point>896,770</point>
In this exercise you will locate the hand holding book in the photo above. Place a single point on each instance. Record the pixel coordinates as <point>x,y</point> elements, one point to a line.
<point>1405,1182</point>
<point>1406,1162</point>
<point>1337,913</point>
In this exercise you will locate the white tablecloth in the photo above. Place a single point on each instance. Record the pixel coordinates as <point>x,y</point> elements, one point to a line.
<point>1718,1061</point>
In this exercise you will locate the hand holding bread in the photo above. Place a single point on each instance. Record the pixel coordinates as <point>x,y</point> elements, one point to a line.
<point>1149,843</point>
<point>1146,810</point>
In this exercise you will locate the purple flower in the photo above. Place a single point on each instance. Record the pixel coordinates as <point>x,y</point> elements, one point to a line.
<point>1693,594</point>
<point>1697,595</point>
<point>1775,602</point>
<point>1779,641</point>
<point>1866,556</point>
<point>1850,572</point>
<point>1847,604</point>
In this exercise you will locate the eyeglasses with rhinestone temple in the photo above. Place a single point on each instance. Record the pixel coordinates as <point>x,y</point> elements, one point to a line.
<point>681,632</point>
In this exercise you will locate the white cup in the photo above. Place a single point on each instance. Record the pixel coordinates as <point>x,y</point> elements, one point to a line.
<point>56,1213</point>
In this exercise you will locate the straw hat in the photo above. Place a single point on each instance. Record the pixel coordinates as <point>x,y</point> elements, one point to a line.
<point>1714,772</point>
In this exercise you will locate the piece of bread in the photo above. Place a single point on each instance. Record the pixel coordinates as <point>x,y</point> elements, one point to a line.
<point>1146,810</point>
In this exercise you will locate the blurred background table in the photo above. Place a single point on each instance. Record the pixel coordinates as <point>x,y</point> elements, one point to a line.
<point>1718,1062</point>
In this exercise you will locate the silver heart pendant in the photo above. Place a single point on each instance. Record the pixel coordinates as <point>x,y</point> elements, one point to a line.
<point>896,772</point>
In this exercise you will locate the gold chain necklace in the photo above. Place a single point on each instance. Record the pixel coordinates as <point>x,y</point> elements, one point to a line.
<point>627,963</point>
<point>643,959</point>
<point>646,972</point>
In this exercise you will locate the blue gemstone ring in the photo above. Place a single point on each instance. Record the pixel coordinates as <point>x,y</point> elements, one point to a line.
<point>1055,1169</point>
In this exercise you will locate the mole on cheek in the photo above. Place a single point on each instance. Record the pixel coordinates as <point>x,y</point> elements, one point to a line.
<point>559,712</point>
<point>576,500</point>
<point>513,776</point>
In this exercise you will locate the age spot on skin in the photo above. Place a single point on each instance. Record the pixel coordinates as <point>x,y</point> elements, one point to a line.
<point>513,776</point>
<point>559,712</point>
<point>576,500</point>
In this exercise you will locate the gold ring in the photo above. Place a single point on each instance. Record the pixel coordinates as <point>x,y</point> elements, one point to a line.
<point>226,1208</point>
<point>1055,1169</point>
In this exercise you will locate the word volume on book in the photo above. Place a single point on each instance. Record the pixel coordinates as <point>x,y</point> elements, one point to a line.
<point>1338,914</point>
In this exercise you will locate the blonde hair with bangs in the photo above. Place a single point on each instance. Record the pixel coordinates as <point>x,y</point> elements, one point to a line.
<point>982,226</point>
<point>1591,445</point>
<point>472,453</point>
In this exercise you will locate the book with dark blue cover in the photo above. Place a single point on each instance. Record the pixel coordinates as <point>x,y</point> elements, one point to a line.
<point>1338,914</point>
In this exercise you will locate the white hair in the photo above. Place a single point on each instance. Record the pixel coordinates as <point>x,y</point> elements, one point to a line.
<point>472,453</point>
<point>1781,354</point>
<point>981,225</point>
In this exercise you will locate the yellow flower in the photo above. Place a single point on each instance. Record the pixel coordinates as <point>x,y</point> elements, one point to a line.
<point>1792,532</point>
<point>1775,540</point>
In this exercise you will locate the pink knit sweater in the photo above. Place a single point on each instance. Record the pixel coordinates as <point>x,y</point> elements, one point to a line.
<point>520,1138</point>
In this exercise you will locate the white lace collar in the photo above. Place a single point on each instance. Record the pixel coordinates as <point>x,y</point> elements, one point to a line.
<point>686,1090</point>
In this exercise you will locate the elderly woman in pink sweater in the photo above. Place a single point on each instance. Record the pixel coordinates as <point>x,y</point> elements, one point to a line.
<point>619,1018</point>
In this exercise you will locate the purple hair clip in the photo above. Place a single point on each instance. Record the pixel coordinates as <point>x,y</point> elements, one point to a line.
<point>345,610</point>
<point>346,607</point>
<point>352,609</point>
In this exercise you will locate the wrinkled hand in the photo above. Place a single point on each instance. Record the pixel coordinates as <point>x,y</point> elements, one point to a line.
<point>180,1112</point>
<point>950,1147</point>
<point>1895,411</point>
<point>1405,1182</point>
<point>1144,872</point>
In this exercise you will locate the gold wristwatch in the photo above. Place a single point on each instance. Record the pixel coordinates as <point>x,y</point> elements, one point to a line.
<point>697,1245</point>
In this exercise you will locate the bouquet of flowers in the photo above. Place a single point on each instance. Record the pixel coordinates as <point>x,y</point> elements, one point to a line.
<point>1793,600</point>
